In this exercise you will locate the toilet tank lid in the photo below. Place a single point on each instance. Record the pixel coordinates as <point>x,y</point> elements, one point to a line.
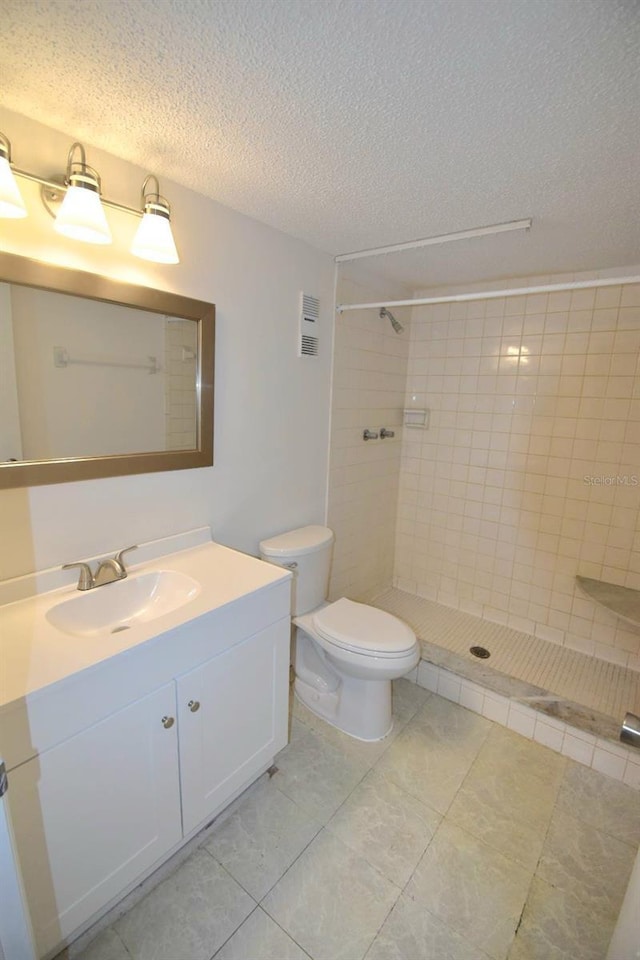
<point>297,542</point>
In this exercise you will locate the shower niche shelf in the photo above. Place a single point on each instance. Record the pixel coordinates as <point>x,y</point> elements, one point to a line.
<point>623,601</point>
<point>416,417</point>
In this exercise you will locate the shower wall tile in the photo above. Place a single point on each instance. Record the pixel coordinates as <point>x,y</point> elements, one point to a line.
<point>529,472</point>
<point>181,348</point>
<point>369,380</point>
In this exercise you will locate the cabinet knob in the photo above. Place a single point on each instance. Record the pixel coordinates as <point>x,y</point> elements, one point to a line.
<point>194,705</point>
<point>168,722</point>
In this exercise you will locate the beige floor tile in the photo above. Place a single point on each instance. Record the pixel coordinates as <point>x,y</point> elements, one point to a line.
<point>386,826</point>
<point>408,698</point>
<point>331,901</point>
<point>505,750</point>
<point>189,915</point>
<point>106,946</point>
<point>452,726</point>
<point>612,807</point>
<point>433,754</point>
<point>501,827</point>
<point>509,794</point>
<point>472,888</point>
<point>557,926</point>
<point>262,838</point>
<point>259,938</point>
<point>410,932</point>
<point>317,775</point>
<point>591,865</point>
<point>297,729</point>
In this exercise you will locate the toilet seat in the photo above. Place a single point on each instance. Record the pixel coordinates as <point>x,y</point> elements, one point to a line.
<point>362,629</point>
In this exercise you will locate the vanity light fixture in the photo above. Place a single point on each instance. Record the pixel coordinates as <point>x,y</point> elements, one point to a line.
<point>80,205</point>
<point>11,202</point>
<point>154,239</point>
<point>81,215</point>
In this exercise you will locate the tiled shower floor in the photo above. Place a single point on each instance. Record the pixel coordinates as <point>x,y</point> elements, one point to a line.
<point>604,687</point>
<point>453,839</point>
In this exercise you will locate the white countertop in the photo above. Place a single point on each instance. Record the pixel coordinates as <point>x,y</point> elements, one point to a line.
<point>34,654</point>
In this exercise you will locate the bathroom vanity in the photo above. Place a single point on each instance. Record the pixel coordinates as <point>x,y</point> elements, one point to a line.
<point>123,736</point>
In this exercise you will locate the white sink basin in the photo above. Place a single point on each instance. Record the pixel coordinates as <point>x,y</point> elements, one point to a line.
<point>120,605</point>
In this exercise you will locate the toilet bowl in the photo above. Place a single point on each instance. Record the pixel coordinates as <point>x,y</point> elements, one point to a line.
<point>345,654</point>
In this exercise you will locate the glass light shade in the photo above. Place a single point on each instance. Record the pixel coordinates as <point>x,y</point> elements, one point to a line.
<point>11,203</point>
<point>154,239</point>
<point>82,217</point>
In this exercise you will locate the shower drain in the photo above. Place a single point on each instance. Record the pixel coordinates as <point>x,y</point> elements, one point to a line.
<point>480,652</point>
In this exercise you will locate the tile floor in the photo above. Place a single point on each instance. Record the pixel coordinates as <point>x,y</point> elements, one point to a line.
<point>453,839</point>
<point>609,688</point>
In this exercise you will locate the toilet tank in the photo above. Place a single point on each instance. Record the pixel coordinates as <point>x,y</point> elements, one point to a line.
<point>309,548</point>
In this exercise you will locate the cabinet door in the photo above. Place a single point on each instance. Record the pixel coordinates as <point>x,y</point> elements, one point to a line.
<point>233,713</point>
<point>93,813</point>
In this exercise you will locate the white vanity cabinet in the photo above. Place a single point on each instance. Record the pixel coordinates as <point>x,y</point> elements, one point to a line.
<point>115,766</point>
<point>231,720</point>
<point>94,813</point>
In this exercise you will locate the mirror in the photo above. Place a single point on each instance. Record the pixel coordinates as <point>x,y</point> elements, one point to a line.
<point>99,378</point>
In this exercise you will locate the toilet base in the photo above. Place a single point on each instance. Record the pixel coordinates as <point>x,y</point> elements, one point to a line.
<point>359,708</point>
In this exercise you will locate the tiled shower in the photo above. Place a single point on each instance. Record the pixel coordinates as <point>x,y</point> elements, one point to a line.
<point>528,473</point>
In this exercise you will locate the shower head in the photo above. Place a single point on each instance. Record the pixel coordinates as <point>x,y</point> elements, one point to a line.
<point>397,326</point>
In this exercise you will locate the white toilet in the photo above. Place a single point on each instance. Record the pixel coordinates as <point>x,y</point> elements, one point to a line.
<point>346,654</point>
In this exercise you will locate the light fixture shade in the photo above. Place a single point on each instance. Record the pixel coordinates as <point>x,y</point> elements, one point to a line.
<point>154,239</point>
<point>82,217</point>
<point>11,202</point>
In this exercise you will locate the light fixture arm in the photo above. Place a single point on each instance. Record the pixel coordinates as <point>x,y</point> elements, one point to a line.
<point>143,191</point>
<point>79,173</point>
<point>70,161</point>
<point>5,148</point>
<point>153,202</point>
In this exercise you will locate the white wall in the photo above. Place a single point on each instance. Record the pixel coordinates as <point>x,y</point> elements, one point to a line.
<point>272,408</point>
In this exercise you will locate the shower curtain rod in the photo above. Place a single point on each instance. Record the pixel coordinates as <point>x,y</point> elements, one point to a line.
<point>492,294</point>
<point>434,241</point>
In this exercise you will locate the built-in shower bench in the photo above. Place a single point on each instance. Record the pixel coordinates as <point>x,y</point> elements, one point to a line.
<point>623,601</point>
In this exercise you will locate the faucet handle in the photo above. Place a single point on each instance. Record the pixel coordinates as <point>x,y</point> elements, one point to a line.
<point>119,555</point>
<point>85,581</point>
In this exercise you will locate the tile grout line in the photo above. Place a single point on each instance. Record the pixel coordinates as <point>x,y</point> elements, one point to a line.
<point>354,852</point>
<point>223,945</point>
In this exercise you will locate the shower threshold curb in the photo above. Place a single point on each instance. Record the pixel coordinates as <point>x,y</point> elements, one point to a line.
<point>568,728</point>
<point>527,694</point>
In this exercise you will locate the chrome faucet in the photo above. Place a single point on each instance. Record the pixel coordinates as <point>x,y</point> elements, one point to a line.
<point>108,571</point>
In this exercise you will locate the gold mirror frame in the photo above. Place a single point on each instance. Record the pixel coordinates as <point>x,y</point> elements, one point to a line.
<point>77,283</point>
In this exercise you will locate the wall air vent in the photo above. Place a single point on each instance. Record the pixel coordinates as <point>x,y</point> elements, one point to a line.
<point>308,341</point>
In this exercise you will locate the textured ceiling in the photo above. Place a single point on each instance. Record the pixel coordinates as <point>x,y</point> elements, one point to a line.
<point>358,123</point>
